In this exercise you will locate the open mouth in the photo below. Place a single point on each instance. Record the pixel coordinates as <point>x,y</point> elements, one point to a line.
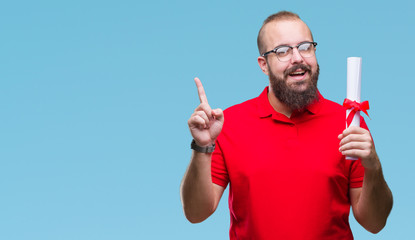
<point>298,72</point>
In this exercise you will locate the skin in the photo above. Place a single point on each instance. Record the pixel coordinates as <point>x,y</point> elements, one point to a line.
<point>200,197</point>
<point>371,204</point>
<point>286,33</point>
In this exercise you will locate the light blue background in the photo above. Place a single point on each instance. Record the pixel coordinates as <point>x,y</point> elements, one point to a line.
<point>95,97</point>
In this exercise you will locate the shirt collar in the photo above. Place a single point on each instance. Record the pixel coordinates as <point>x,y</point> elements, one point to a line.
<point>265,108</point>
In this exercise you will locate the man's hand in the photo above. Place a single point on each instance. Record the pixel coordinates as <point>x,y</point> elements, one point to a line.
<point>205,124</point>
<point>200,196</point>
<point>372,202</point>
<point>357,142</point>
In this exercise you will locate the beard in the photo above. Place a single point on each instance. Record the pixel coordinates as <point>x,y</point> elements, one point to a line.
<point>289,95</point>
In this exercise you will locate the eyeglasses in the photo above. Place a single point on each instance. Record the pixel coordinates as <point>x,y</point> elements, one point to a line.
<point>284,53</point>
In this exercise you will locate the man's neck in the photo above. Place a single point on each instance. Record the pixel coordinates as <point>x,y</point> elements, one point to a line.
<point>278,105</point>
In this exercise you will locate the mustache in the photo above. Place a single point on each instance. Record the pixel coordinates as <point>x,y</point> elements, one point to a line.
<point>295,67</point>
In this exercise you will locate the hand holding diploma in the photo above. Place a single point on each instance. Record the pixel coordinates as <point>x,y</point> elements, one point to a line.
<point>356,142</point>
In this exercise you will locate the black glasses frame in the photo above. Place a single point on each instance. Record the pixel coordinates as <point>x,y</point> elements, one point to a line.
<point>292,47</point>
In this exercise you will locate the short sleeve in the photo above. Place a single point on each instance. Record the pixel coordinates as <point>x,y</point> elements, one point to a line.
<point>218,167</point>
<point>357,173</point>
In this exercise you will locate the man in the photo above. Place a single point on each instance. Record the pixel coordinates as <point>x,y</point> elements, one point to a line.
<point>283,153</point>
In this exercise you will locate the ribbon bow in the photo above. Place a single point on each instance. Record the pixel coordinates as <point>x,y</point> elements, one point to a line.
<point>355,106</point>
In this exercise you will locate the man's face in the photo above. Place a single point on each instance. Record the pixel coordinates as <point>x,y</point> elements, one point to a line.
<point>295,79</point>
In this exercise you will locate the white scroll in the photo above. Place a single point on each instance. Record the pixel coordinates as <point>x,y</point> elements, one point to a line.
<point>354,79</point>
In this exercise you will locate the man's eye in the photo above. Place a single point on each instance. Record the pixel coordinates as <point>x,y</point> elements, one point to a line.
<point>282,51</point>
<point>304,47</point>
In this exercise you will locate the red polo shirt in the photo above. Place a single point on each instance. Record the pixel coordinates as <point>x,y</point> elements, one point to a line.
<point>287,178</point>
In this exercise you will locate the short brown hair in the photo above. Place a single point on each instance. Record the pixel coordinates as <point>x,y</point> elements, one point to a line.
<point>282,15</point>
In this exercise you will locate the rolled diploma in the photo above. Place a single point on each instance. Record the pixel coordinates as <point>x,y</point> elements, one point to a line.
<point>354,74</point>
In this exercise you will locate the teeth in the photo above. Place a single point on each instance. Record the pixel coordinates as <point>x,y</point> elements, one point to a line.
<point>297,73</point>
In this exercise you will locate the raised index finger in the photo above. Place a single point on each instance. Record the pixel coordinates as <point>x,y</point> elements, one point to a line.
<point>201,91</point>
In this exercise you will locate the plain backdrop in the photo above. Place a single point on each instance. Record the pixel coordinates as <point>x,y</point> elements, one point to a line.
<point>95,97</point>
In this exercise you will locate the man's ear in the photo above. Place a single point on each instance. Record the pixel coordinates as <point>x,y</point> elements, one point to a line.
<point>262,62</point>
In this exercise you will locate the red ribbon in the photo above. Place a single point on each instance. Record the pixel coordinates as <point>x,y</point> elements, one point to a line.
<point>355,106</point>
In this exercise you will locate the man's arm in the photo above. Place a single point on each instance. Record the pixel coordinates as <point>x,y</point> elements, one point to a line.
<point>372,203</point>
<point>200,196</point>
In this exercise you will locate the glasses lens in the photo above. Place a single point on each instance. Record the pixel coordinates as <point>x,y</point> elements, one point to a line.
<point>306,49</point>
<point>283,53</point>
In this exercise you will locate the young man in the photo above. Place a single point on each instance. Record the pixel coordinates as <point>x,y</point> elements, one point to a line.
<point>283,153</point>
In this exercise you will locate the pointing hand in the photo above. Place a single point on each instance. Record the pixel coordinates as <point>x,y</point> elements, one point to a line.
<point>205,124</point>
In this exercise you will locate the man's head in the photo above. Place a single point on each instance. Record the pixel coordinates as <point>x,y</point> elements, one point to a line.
<point>293,77</point>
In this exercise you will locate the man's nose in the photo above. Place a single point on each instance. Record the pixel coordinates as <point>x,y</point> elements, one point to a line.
<point>296,57</point>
